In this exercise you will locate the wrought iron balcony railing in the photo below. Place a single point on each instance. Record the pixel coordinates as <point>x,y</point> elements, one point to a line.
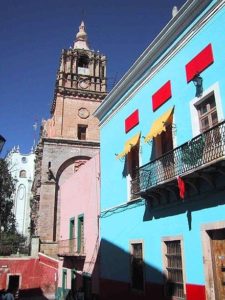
<point>71,247</point>
<point>203,150</point>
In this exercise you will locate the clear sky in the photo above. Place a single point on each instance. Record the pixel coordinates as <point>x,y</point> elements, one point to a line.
<point>32,35</point>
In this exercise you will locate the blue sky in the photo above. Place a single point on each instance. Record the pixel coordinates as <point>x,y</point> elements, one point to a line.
<point>32,35</point>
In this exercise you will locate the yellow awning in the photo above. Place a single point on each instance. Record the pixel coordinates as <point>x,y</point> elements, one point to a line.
<point>129,144</point>
<point>159,125</point>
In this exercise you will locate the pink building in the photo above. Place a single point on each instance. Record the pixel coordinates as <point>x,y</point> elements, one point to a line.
<point>79,232</point>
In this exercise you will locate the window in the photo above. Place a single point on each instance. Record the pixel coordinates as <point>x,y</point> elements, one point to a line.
<point>207,113</point>
<point>24,159</point>
<point>81,132</point>
<point>133,161</point>
<point>72,231</point>
<point>199,112</point>
<point>137,267</point>
<point>132,166</point>
<point>103,72</point>
<point>72,235</point>
<point>64,280</point>
<point>208,118</point>
<point>23,174</point>
<point>73,281</point>
<point>164,144</point>
<point>174,269</point>
<point>83,61</point>
<point>80,241</point>
<point>164,141</point>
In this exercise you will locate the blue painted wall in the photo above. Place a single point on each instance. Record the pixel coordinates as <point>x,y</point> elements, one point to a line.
<point>121,226</point>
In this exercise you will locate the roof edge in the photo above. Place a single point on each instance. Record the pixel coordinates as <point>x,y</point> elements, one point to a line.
<point>187,13</point>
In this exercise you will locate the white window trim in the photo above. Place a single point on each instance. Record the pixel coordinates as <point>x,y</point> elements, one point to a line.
<point>197,100</point>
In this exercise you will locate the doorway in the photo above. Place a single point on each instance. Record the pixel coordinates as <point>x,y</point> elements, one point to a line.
<point>87,287</point>
<point>217,238</point>
<point>13,283</point>
<point>213,238</point>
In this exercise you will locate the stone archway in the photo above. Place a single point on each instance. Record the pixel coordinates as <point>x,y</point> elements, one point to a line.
<point>66,170</point>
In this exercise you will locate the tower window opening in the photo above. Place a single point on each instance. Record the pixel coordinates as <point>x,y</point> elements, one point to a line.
<point>83,61</point>
<point>103,71</point>
<point>23,174</point>
<point>81,132</point>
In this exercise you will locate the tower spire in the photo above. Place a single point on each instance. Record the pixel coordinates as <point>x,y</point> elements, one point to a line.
<point>81,41</point>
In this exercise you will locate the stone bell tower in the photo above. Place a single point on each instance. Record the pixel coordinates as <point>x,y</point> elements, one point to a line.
<point>70,137</point>
<point>80,87</point>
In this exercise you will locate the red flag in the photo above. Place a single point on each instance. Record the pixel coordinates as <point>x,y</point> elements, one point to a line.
<point>181,186</point>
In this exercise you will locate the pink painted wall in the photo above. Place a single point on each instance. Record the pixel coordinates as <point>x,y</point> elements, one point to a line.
<point>80,194</point>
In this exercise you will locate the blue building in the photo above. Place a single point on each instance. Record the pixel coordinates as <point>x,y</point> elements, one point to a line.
<point>162,130</point>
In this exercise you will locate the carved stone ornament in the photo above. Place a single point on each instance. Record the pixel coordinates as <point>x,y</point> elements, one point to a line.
<point>83,113</point>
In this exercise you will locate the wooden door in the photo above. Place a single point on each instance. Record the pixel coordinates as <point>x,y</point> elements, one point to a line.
<point>218,261</point>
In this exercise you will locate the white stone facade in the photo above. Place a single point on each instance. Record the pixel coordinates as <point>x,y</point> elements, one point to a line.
<point>21,167</point>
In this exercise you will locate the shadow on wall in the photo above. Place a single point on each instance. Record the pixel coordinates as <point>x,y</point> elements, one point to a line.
<point>34,294</point>
<point>117,281</point>
<point>206,197</point>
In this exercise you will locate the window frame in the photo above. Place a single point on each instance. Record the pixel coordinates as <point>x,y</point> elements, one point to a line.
<point>80,219</point>
<point>159,140</point>
<point>72,228</point>
<point>208,114</point>
<point>79,134</point>
<point>164,259</point>
<point>64,279</point>
<point>131,243</point>
<point>196,101</point>
<point>83,61</point>
<point>23,172</point>
<point>128,167</point>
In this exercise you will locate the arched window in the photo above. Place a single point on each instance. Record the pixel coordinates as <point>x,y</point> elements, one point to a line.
<point>83,61</point>
<point>23,174</point>
<point>24,159</point>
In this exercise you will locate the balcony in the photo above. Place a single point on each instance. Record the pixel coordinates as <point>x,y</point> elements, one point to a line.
<point>71,247</point>
<point>203,158</point>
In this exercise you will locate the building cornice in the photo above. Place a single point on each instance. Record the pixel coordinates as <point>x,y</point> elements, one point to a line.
<point>81,143</point>
<point>86,95</point>
<point>188,12</point>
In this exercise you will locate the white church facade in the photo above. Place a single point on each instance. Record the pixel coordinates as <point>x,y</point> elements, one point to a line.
<point>21,167</point>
